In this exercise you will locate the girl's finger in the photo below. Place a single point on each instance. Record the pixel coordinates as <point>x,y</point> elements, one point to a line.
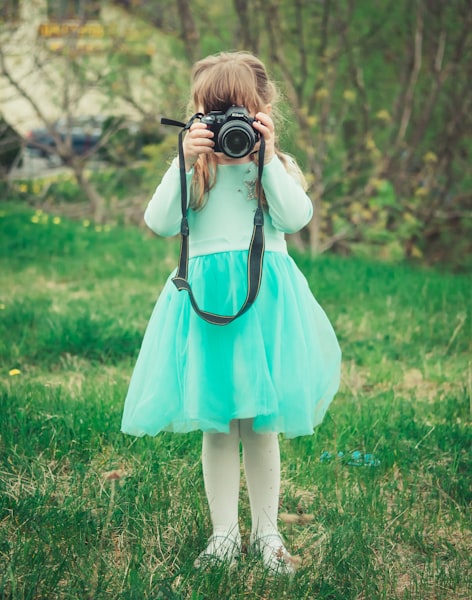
<point>265,120</point>
<point>204,143</point>
<point>200,128</point>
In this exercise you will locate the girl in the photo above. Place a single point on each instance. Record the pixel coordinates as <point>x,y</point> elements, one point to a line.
<point>273,370</point>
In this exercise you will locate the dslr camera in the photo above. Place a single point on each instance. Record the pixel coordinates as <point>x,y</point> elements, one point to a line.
<point>234,134</point>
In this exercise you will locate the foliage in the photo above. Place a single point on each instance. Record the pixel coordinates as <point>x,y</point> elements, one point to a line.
<point>375,96</point>
<point>86,512</point>
<point>10,147</point>
<point>125,191</point>
<point>62,80</point>
<point>378,98</point>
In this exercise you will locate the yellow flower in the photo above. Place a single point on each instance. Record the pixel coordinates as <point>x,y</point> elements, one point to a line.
<point>321,94</point>
<point>355,207</point>
<point>376,183</point>
<point>23,187</point>
<point>13,372</point>
<point>86,223</point>
<point>56,220</point>
<point>370,144</point>
<point>349,95</point>
<point>384,115</point>
<point>35,219</point>
<point>2,306</point>
<point>421,192</point>
<point>98,228</point>
<point>430,157</point>
<point>310,180</point>
<point>312,121</point>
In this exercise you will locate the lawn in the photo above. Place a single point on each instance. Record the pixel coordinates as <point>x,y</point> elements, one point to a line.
<point>376,503</point>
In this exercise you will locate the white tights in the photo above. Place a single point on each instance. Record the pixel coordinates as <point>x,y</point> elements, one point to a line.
<point>221,474</point>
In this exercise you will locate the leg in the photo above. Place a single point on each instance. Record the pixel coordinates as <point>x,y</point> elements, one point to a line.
<point>262,467</point>
<point>221,475</point>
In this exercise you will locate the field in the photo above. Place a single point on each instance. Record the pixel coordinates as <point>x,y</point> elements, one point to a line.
<point>88,513</point>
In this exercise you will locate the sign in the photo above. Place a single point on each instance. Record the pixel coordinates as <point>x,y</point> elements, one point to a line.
<point>90,29</point>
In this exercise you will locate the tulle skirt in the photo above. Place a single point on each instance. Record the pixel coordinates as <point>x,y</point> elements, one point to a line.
<point>279,363</point>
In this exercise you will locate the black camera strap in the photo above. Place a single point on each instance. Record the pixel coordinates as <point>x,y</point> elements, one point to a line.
<point>256,246</point>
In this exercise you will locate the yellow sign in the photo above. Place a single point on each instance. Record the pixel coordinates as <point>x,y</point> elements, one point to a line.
<point>52,29</point>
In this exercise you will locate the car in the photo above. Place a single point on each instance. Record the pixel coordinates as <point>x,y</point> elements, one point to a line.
<point>125,138</point>
<point>85,133</point>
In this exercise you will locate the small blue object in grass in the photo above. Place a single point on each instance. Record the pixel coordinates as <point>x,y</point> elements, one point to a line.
<point>371,461</point>
<point>354,459</point>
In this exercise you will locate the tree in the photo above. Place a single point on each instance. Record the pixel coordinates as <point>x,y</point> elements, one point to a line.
<point>383,93</point>
<point>63,75</point>
<point>10,147</point>
<point>66,79</point>
<point>379,98</point>
<point>377,94</point>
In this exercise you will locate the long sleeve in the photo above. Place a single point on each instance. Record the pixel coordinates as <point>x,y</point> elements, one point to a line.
<point>290,209</point>
<point>163,213</point>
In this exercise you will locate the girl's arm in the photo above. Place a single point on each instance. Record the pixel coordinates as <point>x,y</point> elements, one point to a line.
<point>289,207</point>
<point>163,213</point>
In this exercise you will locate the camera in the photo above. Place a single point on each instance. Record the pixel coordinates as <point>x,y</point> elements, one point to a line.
<point>234,133</point>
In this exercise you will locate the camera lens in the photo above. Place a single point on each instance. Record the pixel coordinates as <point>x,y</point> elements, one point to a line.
<point>237,139</point>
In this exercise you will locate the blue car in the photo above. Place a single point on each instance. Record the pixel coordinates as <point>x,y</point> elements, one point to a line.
<point>84,134</point>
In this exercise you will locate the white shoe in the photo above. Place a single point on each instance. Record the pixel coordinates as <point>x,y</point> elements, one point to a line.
<point>275,556</point>
<point>221,549</point>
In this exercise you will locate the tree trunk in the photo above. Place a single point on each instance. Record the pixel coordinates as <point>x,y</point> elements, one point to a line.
<point>190,34</point>
<point>96,201</point>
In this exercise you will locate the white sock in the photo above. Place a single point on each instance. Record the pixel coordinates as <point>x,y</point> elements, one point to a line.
<point>221,474</point>
<point>262,466</point>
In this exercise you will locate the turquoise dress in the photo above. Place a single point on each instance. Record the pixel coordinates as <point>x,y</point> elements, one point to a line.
<point>279,363</point>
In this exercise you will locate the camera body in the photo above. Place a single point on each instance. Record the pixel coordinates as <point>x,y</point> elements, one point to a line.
<point>234,134</point>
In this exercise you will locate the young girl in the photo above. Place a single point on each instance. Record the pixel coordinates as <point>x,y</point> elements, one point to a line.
<point>273,370</point>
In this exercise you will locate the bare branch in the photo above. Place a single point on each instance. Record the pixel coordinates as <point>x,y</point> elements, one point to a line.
<point>248,40</point>
<point>357,79</point>
<point>20,89</point>
<point>410,91</point>
<point>299,5</point>
<point>190,34</point>
<point>324,28</point>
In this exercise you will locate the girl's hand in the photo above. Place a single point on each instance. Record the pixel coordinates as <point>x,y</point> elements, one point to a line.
<point>265,126</point>
<point>197,141</point>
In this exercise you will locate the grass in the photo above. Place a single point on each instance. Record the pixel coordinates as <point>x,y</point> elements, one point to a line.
<point>86,512</point>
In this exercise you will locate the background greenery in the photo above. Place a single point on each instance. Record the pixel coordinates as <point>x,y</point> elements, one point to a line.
<point>86,512</point>
<point>375,105</point>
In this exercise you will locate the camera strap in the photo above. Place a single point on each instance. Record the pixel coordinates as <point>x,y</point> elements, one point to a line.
<point>256,246</point>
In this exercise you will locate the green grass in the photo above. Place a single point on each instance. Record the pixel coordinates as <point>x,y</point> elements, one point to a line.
<point>86,512</point>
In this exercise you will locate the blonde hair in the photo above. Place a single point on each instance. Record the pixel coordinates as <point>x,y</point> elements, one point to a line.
<point>218,81</point>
